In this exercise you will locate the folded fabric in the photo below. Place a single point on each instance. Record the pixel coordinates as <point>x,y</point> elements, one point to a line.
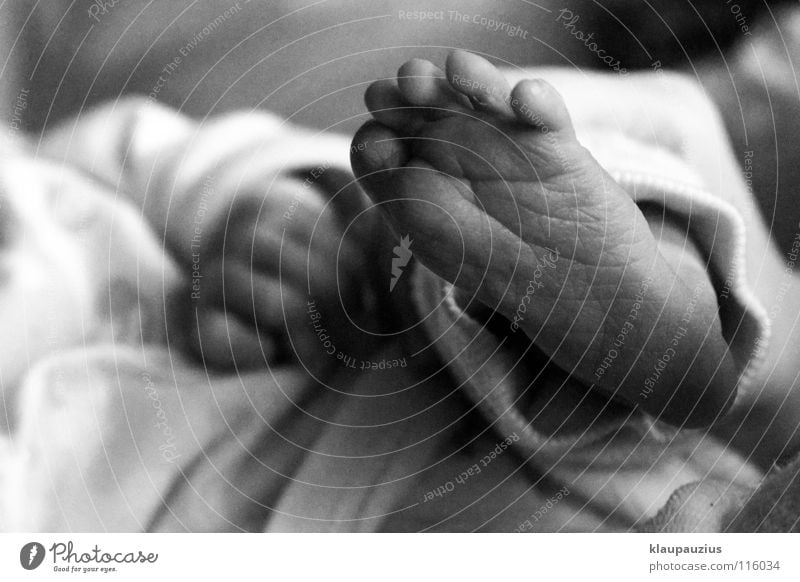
<point>662,140</point>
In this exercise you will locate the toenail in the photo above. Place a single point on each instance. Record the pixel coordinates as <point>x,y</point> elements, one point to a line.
<point>536,87</point>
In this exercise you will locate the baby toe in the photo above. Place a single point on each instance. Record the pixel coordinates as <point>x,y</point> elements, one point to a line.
<point>423,83</point>
<point>536,102</point>
<point>478,79</point>
<point>387,105</point>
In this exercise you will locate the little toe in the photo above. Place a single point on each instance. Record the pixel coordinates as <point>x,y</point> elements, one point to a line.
<point>478,79</point>
<point>387,105</point>
<point>376,151</point>
<point>536,102</point>
<point>423,83</point>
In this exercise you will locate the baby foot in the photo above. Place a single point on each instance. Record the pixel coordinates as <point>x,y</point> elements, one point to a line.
<point>502,200</point>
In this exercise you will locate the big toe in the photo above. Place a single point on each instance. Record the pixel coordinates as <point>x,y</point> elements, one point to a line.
<point>536,102</point>
<point>387,105</point>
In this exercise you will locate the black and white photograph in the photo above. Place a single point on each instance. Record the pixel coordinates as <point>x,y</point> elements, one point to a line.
<point>400,267</point>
